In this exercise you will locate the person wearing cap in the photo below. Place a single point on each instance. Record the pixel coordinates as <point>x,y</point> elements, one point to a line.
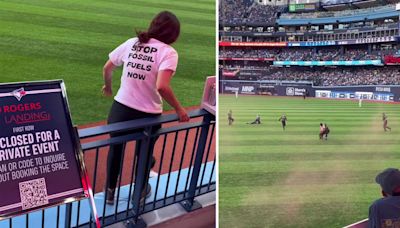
<point>385,212</point>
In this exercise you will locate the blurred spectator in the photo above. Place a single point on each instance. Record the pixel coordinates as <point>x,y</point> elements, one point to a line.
<point>242,11</point>
<point>305,54</point>
<point>385,212</point>
<point>323,76</point>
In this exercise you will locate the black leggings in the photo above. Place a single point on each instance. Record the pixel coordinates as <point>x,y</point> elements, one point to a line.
<point>120,113</point>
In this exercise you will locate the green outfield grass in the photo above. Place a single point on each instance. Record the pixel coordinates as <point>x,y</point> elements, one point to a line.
<point>274,178</point>
<point>71,39</point>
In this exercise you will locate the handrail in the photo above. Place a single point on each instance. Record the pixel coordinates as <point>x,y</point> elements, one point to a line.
<point>135,124</point>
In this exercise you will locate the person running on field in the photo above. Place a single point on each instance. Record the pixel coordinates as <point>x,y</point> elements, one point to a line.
<point>321,130</point>
<point>385,122</point>
<point>326,131</point>
<point>283,120</point>
<point>230,118</point>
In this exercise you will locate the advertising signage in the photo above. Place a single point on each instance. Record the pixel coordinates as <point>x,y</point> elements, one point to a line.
<point>329,63</point>
<point>252,44</point>
<point>368,40</point>
<point>312,43</point>
<point>309,43</point>
<point>302,7</point>
<point>246,59</point>
<point>40,157</point>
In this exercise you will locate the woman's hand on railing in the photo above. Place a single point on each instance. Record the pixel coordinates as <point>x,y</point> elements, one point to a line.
<point>182,115</point>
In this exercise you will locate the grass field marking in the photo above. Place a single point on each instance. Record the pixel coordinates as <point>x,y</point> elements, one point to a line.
<point>339,188</point>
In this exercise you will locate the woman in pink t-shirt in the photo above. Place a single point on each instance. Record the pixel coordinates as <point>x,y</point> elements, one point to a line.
<point>149,62</point>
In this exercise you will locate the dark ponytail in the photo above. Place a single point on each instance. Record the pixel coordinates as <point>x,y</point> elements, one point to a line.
<point>143,37</point>
<point>165,27</point>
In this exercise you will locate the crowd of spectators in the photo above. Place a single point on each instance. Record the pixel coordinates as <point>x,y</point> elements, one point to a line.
<point>243,11</point>
<point>339,76</point>
<point>248,53</point>
<point>325,76</point>
<point>326,55</point>
<point>306,54</point>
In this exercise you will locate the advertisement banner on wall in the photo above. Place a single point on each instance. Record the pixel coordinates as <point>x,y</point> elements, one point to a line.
<point>252,44</point>
<point>294,91</point>
<point>247,59</point>
<point>39,148</point>
<point>328,63</point>
<point>248,89</point>
<point>381,93</point>
<point>312,43</point>
<point>364,95</point>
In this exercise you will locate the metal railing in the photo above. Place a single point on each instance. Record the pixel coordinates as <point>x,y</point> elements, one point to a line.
<point>186,169</point>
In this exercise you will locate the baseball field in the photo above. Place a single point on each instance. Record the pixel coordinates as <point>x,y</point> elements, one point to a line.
<point>274,178</point>
<point>70,40</point>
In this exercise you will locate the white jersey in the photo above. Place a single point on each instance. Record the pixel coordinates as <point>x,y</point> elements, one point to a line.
<point>141,64</point>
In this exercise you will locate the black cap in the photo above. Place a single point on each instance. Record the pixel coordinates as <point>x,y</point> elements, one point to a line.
<point>389,180</point>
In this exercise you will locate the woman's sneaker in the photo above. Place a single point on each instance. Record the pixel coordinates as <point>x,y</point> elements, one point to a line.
<point>145,194</point>
<point>110,196</point>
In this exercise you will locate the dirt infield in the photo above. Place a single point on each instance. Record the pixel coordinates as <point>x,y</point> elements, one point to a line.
<point>90,155</point>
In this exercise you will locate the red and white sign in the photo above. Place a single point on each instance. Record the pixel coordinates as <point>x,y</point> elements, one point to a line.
<point>252,44</point>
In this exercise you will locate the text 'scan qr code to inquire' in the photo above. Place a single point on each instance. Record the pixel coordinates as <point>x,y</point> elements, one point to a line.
<point>33,193</point>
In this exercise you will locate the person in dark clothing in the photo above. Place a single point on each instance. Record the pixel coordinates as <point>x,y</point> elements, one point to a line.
<point>283,120</point>
<point>257,120</point>
<point>385,212</point>
<point>326,131</point>
<point>385,122</point>
<point>230,118</point>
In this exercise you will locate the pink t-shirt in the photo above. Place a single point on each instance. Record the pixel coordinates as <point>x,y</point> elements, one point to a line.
<point>141,64</point>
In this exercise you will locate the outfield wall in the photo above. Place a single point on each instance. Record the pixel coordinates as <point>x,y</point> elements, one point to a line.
<point>273,88</point>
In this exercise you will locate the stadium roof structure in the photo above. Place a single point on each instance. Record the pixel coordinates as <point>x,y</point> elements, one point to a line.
<point>336,5</point>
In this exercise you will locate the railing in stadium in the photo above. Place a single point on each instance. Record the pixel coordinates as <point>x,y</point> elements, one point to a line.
<point>186,156</point>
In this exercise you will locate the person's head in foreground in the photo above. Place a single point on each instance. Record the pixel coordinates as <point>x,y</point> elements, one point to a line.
<point>164,27</point>
<point>389,180</point>
<point>385,212</point>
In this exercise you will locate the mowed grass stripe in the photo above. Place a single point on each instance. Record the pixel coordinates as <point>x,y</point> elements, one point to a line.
<point>322,148</point>
<point>311,156</point>
<point>313,165</point>
<point>292,174</point>
<point>119,7</point>
<point>98,19</point>
<point>136,10</point>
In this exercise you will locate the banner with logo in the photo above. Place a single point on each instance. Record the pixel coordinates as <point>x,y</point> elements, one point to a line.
<point>379,92</point>
<point>329,63</point>
<point>364,95</point>
<point>252,44</point>
<point>40,158</point>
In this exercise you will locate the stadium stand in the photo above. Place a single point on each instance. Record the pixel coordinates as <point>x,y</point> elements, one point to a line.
<point>307,54</point>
